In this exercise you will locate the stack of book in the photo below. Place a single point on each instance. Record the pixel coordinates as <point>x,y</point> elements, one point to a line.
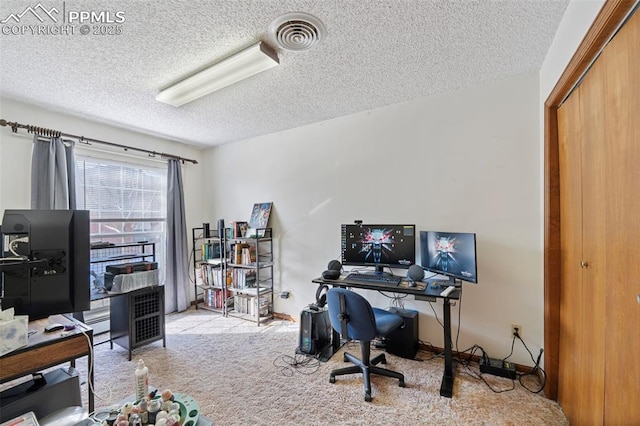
<point>243,254</point>
<point>209,276</point>
<point>213,298</point>
<point>243,278</point>
<point>244,304</point>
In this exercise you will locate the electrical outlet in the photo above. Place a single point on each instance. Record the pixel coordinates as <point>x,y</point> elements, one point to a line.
<point>285,295</point>
<point>516,328</point>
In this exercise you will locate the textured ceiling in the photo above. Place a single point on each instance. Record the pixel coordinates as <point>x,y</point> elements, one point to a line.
<point>376,53</point>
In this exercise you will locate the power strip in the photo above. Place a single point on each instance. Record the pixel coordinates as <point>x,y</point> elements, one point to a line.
<point>498,367</point>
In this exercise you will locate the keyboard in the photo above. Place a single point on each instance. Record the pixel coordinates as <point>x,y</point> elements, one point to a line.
<point>389,280</point>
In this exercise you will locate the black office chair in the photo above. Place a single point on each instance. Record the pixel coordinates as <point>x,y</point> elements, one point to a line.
<point>352,316</point>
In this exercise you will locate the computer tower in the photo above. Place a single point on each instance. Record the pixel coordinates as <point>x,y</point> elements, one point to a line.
<point>61,389</point>
<point>403,341</point>
<point>315,331</point>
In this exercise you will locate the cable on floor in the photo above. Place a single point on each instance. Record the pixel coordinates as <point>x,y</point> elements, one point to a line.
<point>301,363</point>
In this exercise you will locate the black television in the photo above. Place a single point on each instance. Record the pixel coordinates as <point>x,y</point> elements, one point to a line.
<point>45,267</point>
<point>452,254</point>
<point>380,246</point>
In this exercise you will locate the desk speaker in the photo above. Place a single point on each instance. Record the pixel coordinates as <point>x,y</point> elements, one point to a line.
<point>403,341</point>
<point>415,273</point>
<point>333,270</point>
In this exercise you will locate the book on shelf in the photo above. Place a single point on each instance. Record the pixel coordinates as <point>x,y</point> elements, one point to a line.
<point>211,250</point>
<point>253,291</point>
<point>239,229</point>
<point>249,255</point>
<point>198,276</point>
<point>237,252</point>
<point>213,298</point>
<point>251,305</point>
<point>242,253</point>
<point>243,278</point>
<point>241,303</point>
<point>210,275</point>
<point>244,304</point>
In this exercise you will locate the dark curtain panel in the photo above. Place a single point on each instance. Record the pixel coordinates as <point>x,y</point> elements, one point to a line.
<point>177,282</point>
<point>53,174</point>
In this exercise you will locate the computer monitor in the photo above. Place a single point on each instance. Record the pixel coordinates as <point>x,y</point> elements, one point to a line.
<point>45,267</point>
<point>449,253</point>
<point>380,246</point>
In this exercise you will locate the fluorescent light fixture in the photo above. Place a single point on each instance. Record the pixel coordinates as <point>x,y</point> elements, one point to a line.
<point>241,65</point>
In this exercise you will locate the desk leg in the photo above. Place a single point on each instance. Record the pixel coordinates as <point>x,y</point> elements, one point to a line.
<point>446,388</point>
<point>331,349</point>
<point>335,340</point>
<point>90,368</point>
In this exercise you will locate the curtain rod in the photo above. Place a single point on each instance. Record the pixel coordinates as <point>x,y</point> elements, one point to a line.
<point>81,139</point>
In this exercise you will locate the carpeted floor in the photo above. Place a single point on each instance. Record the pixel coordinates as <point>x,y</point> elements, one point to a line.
<point>241,375</point>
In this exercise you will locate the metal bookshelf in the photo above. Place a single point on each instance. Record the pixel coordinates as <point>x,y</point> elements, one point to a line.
<point>234,275</point>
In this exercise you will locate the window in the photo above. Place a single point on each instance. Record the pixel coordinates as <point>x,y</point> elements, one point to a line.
<point>127,203</point>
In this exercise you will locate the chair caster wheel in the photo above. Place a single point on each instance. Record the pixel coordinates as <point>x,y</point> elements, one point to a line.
<point>344,358</point>
<point>332,379</point>
<point>383,361</point>
<point>402,385</point>
<point>367,397</point>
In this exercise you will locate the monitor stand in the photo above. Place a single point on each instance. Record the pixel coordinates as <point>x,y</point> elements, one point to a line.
<point>379,272</point>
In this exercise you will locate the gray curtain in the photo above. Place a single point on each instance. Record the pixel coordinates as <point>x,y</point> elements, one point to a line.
<point>177,283</point>
<point>53,183</point>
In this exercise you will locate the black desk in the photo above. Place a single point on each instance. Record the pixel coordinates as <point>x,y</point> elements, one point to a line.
<point>421,290</point>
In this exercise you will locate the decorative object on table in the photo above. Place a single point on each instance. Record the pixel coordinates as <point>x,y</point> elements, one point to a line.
<point>142,380</point>
<point>160,409</point>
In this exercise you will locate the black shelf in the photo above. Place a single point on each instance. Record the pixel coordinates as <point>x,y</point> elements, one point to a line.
<point>230,281</point>
<point>137,318</point>
<point>103,256</point>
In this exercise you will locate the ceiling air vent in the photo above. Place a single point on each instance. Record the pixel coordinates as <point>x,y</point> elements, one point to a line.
<point>297,31</point>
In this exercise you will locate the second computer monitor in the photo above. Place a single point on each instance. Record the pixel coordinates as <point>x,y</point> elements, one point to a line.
<point>449,253</point>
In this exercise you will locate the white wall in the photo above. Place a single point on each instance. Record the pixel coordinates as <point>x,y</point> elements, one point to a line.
<point>465,161</point>
<point>574,25</point>
<point>15,154</point>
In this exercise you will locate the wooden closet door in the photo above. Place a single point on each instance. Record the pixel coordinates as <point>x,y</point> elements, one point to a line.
<point>622,377</point>
<point>575,384</point>
<point>595,188</point>
<point>599,141</point>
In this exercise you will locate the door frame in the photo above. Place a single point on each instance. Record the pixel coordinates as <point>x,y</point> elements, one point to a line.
<point>603,28</point>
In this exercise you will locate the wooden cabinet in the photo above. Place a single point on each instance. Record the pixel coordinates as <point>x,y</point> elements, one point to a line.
<point>137,318</point>
<point>599,142</point>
